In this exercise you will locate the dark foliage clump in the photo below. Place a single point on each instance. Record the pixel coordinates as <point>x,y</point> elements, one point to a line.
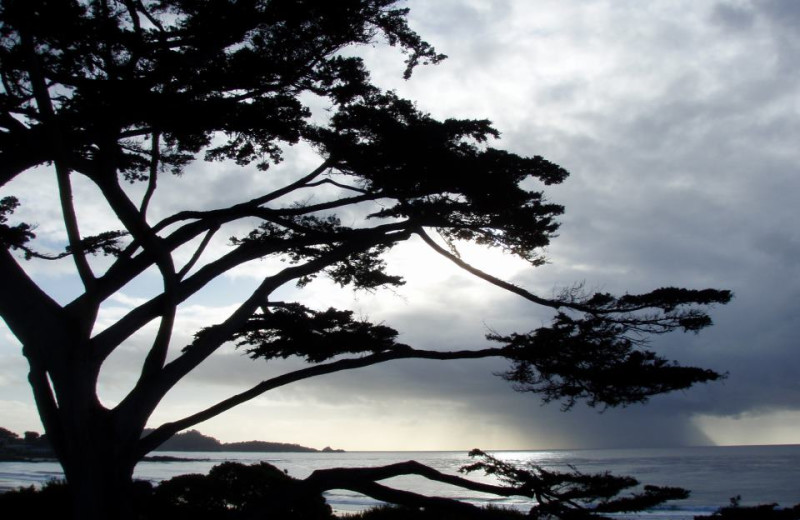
<point>736,511</point>
<point>573,495</point>
<point>231,491</point>
<point>295,330</point>
<point>28,502</point>
<point>234,490</point>
<point>408,513</point>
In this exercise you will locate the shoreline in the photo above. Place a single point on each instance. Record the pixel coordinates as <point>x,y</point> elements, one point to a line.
<point>149,458</point>
<point>713,474</point>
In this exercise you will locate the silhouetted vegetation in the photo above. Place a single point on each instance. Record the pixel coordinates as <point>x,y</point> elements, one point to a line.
<point>193,440</point>
<point>31,446</point>
<point>573,494</point>
<point>50,501</point>
<point>234,491</point>
<point>229,491</point>
<point>736,511</point>
<point>407,513</point>
<point>122,92</point>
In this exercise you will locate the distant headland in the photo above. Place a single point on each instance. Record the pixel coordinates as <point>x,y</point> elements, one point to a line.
<point>34,447</point>
<point>30,447</point>
<point>193,440</point>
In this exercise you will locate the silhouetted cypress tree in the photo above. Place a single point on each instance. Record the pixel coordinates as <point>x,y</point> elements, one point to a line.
<point>126,91</point>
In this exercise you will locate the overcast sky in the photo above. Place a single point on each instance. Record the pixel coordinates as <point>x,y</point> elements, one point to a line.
<point>679,122</point>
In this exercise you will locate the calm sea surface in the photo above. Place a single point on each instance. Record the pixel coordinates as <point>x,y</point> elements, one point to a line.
<point>760,474</point>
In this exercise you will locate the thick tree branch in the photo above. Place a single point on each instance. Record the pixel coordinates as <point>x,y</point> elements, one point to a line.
<point>143,399</point>
<point>126,268</point>
<point>134,220</point>
<point>35,319</point>
<point>71,223</point>
<point>105,342</point>
<point>365,481</point>
<point>156,23</point>
<point>220,216</point>
<point>335,478</point>
<point>167,430</point>
<point>46,405</point>
<point>323,206</point>
<point>337,184</point>
<point>414,500</point>
<point>21,149</point>
<point>620,310</point>
<point>32,315</point>
<point>152,181</point>
<point>157,355</point>
<point>215,336</point>
<point>243,209</point>
<point>489,278</point>
<point>198,252</point>
<point>47,115</point>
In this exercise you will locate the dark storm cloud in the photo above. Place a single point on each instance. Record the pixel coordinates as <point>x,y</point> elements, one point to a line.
<point>682,148</point>
<point>786,12</point>
<point>732,16</point>
<point>474,391</point>
<point>684,172</point>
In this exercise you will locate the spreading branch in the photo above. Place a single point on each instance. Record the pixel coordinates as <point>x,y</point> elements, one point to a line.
<point>32,319</point>
<point>243,209</point>
<point>152,181</point>
<point>351,242</point>
<point>486,276</point>
<point>48,117</point>
<point>167,430</point>
<point>553,494</point>
<point>135,221</point>
<point>572,495</point>
<point>365,481</point>
<point>198,252</point>
<point>145,398</point>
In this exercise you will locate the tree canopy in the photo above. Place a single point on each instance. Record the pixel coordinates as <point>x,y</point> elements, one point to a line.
<point>124,92</point>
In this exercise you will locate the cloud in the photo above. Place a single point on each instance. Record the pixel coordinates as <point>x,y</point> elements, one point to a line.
<point>732,17</point>
<point>681,142</point>
<point>784,12</point>
<point>679,124</point>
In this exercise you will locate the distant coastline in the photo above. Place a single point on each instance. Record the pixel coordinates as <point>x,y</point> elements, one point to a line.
<point>32,447</point>
<point>193,440</point>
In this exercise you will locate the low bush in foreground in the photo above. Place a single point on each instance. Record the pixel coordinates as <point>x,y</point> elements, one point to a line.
<point>234,491</point>
<point>405,513</point>
<point>736,511</point>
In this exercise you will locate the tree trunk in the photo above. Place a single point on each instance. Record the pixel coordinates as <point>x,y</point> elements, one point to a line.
<point>96,448</point>
<point>99,474</point>
<point>100,491</point>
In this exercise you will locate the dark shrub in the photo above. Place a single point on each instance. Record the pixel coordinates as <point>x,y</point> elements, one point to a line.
<point>234,490</point>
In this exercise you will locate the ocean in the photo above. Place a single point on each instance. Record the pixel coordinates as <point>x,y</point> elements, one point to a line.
<point>759,474</point>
